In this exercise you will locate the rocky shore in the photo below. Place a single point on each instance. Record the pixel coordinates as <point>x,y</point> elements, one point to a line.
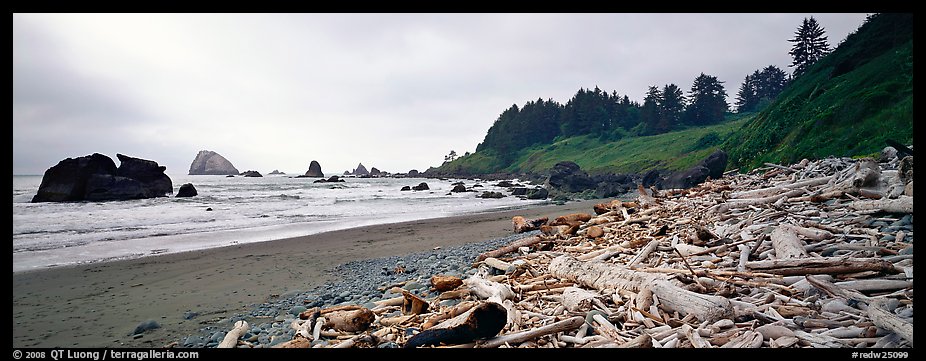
<point>815,254</point>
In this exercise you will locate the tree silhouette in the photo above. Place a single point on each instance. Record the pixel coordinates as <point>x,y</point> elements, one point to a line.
<point>809,45</point>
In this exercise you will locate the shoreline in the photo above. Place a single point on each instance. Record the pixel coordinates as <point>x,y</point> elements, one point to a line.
<point>99,304</point>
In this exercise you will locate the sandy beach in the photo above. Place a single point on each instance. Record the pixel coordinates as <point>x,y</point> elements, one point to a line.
<point>99,305</point>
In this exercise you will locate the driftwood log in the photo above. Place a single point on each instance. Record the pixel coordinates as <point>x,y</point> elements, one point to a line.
<point>608,277</point>
<point>350,321</point>
<point>821,265</point>
<point>231,338</point>
<point>443,283</point>
<point>513,247</point>
<point>480,322</point>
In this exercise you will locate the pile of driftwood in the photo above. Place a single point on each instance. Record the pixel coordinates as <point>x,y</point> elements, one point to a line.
<point>779,257</point>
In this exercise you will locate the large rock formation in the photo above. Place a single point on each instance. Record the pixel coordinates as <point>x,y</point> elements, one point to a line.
<point>712,166</point>
<point>413,174</point>
<point>361,170</point>
<point>96,178</point>
<point>315,170</point>
<point>375,172</point>
<point>567,177</point>
<point>251,173</point>
<point>208,162</point>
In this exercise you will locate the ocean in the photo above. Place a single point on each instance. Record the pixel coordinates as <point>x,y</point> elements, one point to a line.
<point>244,210</point>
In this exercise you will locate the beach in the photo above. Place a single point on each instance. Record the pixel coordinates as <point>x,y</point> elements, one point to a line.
<point>99,305</point>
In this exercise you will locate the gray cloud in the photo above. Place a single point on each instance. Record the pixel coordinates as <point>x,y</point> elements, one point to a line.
<point>395,91</point>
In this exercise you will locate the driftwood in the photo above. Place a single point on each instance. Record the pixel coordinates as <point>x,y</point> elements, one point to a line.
<point>903,204</point>
<point>231,338</point>
<point>787,245</point>
<point>522,224</point>
<point>512,247</point>
<point>482,321</point>
<point>412,304</point>
<point>297,342</point>
<point>640,257</point>
<point>876,308</point>
<point>821,265</point>
<point>578,300</point>
<point>499,264</point>
<point>568,219</point>
<point>514,338</point>
<point>603,277</point>
<point>443,283</point>
<point>350,321</point>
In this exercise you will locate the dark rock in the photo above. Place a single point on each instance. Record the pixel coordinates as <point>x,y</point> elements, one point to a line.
<point>505,184</point>
<point>413,173</point>
<point>477,185</point>
<point>229,176</point>
<point>375,172</point>
<point>519,191</point>
<point>211,163</point>
<point>347,172</point>
<point>361,170</point>
<point>421,187</point>
<point>187,190</point>
<point>189,315</point>
<point>96,178</point>
<point>251,173</point>
<point>67,181</point>
<point>458,188</point>
<point>651,178</point>
<point>151,175</point>
<point>275,171</point>
<point>491,195</point>
<point>406,188</point>
<point>712,166</point>
<point>209,209</point>
<point>334,178</point>
<point>315,170</point>
<point>567,177</point>
<point>538,193</point>
<point>146,326</point>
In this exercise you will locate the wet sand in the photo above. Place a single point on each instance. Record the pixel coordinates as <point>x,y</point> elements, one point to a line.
<point>99,305</point>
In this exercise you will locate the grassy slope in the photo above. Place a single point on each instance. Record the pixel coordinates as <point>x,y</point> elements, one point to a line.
<point>674,150</point>
<point>834,112</point>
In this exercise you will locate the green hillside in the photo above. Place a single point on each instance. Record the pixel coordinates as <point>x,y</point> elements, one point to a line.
<point>846,104</point>
<point>674,150</point>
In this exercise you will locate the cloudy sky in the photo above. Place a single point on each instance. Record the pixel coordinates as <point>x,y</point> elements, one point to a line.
<point>393,91</point>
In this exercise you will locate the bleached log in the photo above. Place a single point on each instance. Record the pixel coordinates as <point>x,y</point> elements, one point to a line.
<point>903,204</point>
<point>578,300</point>
<point>351,342</point>
<point>518,337</point>
<point>749,339</point>
<point>809,233</point>
<point>821,265</point>
<point>875,285</point>
<point>448,313</point>
<point>593,254</point>
<point>819,341</point>
<point>640,257</point>
<point>499,264</point>
<point>231,338</point>
<point>889,321</point>
<point>692,335</point>
<point>609,277</point>
<point>350,321</point>
<point>778,189</point>
<point>642,341</point>
<point>787,245</point>
<point>493,292</point>
<point>511,247</point>
<point>395,301</point>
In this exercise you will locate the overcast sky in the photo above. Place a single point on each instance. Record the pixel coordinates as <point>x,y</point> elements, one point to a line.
<point>392,91</point>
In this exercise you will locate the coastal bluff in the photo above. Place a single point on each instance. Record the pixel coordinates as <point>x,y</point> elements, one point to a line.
<point>208,162</point>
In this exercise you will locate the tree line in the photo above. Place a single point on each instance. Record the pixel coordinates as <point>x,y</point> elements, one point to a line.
<point>611,116</point>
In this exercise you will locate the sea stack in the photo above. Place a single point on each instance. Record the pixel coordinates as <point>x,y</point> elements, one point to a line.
<point>361,170</point>
<point>208,162</point>
<point>315,170</point>
<point>96,178</point>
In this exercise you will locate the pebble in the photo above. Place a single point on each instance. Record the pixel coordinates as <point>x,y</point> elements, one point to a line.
<point>189,315</point>
<point>361,284</point>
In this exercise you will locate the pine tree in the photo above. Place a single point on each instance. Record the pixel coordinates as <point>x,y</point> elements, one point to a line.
<point>747,97</point>
<point>651,114</point>
<point>809,45</point>
<point>707,102</point>
<point>673,103</point>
